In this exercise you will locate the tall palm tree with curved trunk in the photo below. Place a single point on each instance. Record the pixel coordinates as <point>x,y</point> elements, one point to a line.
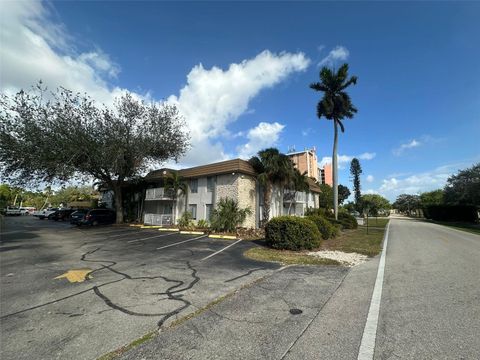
<point>175,186</point>
<point>335,105</point>
<point>273,168</point>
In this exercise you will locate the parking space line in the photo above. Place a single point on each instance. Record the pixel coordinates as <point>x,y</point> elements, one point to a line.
<point>219,251</point>
<point>181,242</point>
<point>150,237</point>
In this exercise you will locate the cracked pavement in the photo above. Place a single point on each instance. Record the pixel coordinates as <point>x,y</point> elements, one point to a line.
<point>133,288</point>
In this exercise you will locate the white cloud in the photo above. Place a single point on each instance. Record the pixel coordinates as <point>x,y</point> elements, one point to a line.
<point>262,136</point>
<point>412,144</point>
<point>370,178</point>
<point>366,156</point>
<point>371,191</point>
<point>344,159</point>
<point>338,53</point>
<point>35,48</point>
<point>214,98</point>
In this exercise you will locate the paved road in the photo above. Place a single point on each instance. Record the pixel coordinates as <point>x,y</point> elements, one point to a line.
<point>430,305</point>
<point>431,295</point>
<point>430,308</point>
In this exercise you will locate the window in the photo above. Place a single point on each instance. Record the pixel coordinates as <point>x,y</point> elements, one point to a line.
<point>194,186</point>
<point>210,184</point>
<point>208,211</point>
<point>193,210</point>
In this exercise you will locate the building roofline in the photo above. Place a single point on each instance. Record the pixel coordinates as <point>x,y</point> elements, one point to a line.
<point>219,168</point>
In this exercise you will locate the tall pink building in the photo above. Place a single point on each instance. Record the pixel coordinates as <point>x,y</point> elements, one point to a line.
<point>307,161</point>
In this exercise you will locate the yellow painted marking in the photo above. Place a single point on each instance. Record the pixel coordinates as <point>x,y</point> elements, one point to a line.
<point>229,237</point>
<point>78,275</point>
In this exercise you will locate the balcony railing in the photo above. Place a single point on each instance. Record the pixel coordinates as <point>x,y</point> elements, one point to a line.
<point>291,196</point>
<point>157,194</point>
<point>158,219</point>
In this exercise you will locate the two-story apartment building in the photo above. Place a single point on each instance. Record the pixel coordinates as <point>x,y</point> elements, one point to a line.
<point>207,184</point>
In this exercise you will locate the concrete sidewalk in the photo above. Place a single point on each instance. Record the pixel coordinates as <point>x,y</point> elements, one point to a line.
<point>257,323</point>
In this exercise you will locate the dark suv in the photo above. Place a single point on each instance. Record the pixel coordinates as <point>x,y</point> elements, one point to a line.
<point>61,215</point>
<point>98,216</point>
<point>77,216</point>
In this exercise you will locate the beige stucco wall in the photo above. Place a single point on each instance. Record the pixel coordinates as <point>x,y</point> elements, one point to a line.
<point>241,188</point>
<point>247,198</point>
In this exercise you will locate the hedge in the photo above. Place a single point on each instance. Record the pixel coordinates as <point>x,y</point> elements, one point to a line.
<point>292,233</point>
<point>451,213</point>
<point>326,228</point>
<point>345,220</point>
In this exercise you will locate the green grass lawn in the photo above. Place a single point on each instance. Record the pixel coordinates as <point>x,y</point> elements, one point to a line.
<point>468,227</point>
<point>376,222</point>
<point>358,240</point>
<point>286,257</point>
<point>347,241</point>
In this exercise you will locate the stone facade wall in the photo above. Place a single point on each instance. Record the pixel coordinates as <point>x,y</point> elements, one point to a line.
<point>247,197</point>
<point>226,187</point>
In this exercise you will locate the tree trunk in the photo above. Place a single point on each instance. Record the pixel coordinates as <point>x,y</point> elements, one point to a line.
<point>335,169</point>
<point>267,198</point>
<point>117,192</point>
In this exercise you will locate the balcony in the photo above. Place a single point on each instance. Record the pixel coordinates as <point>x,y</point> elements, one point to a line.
<point>157,194</point>
<point>290,196</point>
<point>158,219</point>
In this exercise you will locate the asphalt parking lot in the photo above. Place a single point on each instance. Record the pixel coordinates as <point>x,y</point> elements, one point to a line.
<point>137,280</point>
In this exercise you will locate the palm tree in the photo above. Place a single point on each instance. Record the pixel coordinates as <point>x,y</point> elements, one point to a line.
<point>298,182</point>
<point>175,186</point>
<point>273,168</point>
<point>335,105</point>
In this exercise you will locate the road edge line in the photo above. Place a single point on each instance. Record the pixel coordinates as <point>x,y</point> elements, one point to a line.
<point>367,345</point>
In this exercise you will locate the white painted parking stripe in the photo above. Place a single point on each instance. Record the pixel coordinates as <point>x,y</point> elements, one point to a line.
<point>367,346</point>
<point>150,237</point>
<point>219,251</point>
<point>181,242</point>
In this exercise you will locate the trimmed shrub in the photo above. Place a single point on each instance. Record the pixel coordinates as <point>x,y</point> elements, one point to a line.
<point>347,221</point>
<point>451,213</point>
<point>292,233</point>
<point>326,228</point>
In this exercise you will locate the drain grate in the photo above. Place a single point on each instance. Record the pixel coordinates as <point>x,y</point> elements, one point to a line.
<point>295,311</point>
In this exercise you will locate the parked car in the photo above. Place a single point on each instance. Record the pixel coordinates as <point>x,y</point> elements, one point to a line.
<point>42,214</point>
<point>13,211</point>
<point>78,216</point>
<point>99,216</point>
<point>61,215</point>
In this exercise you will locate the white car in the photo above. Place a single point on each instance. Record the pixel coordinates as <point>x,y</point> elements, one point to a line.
<point>43,214</point>
<point>13,211</point>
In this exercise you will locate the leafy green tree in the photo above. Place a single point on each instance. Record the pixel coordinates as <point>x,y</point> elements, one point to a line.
<point>464,187</point>
<point>273,168</point>
<point>407,203</point>
<point>355,172</point>
<point>298,183</point>
<point>335,105</point>
<point>175,186</point>
<point>434,197</point>
<point>227,215</point>
<point>373,204</point>
<point>70,136</point>
<point>343,193</point>
<point>325,196</point>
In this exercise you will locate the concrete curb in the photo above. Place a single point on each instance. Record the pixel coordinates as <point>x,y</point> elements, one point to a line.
<point>229,237</point>
<point>192,232</point>
<point>168,229</point>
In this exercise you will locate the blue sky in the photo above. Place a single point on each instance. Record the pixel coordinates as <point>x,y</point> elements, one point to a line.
<point>239,72</point>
